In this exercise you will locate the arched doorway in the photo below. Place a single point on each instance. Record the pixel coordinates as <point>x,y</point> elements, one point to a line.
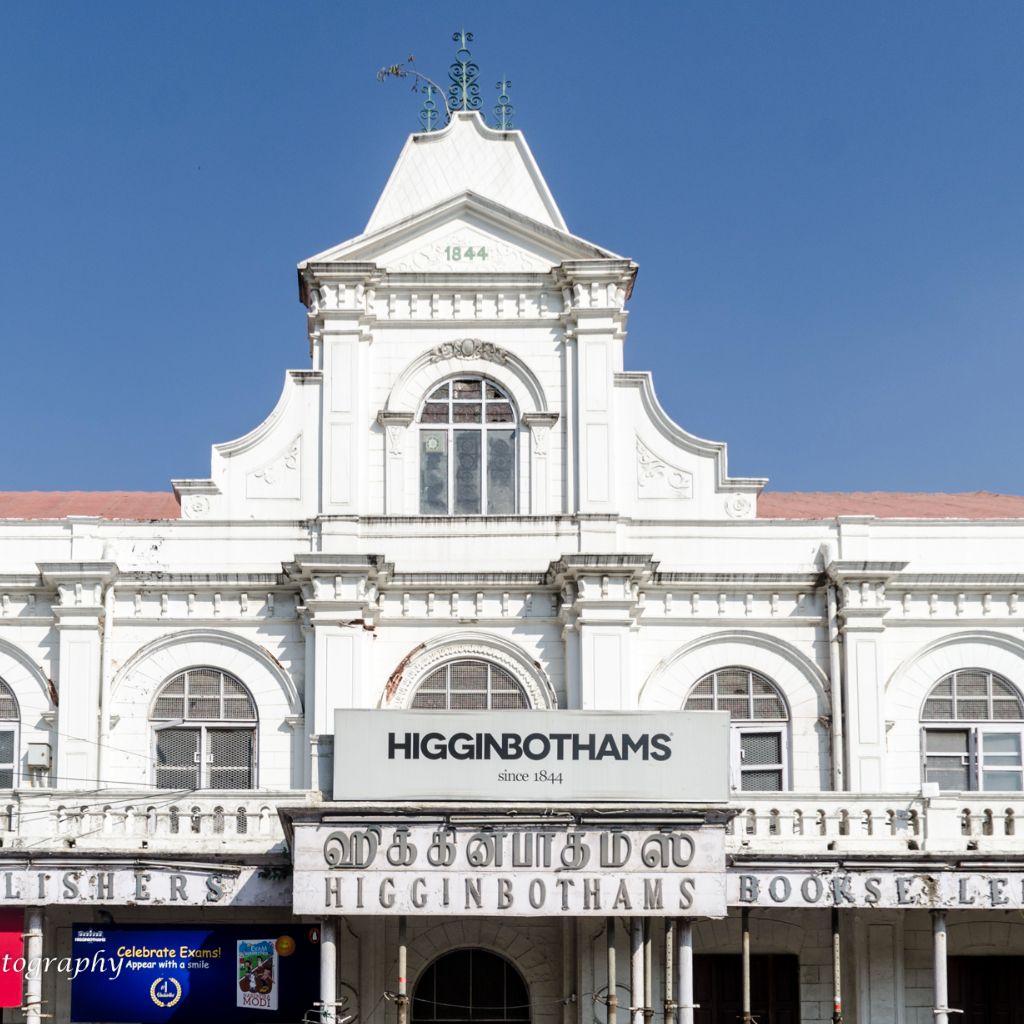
<point>471,985</point>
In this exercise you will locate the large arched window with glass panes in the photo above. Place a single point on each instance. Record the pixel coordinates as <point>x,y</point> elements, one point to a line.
<point>467,449</point>
<point>10,719</point>
<point>204,732</point>
<point>972,725</point>
<point>469,684</point>
<point>760,725</point>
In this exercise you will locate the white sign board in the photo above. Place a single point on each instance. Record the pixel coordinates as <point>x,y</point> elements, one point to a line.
<point>541,756</point>
<point>523,870</point>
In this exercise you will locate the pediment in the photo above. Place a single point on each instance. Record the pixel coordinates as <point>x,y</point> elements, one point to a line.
<point>465,234</point>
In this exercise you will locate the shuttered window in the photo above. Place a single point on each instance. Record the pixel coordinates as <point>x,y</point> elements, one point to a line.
<point>204,726</point>
<point>758,750</point>
<point>973,733</point>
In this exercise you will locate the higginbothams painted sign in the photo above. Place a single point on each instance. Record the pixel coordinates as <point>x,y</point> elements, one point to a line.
<point>359,868</point>
<point>548,756</point>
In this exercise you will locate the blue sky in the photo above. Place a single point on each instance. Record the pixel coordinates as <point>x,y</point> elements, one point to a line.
<point>826,201</point>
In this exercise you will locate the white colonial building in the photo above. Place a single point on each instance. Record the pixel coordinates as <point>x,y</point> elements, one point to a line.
<point>465,502</point>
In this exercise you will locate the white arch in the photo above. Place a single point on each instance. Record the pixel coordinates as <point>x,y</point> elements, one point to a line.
<point>803,685</point>
<point>907,687</point>
<point>468,357</point>
<point>422,660</point>
<point>275,694</point>
<point>27,681</point>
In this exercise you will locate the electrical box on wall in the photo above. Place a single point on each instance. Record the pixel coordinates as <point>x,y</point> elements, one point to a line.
<point>40,757</point>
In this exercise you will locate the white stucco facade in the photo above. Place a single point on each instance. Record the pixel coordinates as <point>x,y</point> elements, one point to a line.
<point>629,566</point>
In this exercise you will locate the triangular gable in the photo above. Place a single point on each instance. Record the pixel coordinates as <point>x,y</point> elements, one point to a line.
<point>450,237</point>
<point>465,156</point>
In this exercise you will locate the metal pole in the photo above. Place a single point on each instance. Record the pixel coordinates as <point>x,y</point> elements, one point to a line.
<point>648,973</point>
<point>837,981</point>
<point>745,926</point>
<point>941,1011</point>
<point>328,968</point>
<point>33,956</point>
<point>684,968</point>
<point>613,999</point>
<point>403,956</point>
<point>636,970</point>
<point>835,671</point>
<point>670,942</point>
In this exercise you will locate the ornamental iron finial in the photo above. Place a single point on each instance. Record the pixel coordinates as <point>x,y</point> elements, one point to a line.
<point>428,112</point>
<point>463,93</point>
<point>504,111</point>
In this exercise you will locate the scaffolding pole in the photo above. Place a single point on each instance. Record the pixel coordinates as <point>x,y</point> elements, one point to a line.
<point>669,982</point>
<point>837,979</point>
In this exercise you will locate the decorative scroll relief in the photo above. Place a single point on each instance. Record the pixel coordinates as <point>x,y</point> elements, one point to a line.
<point>531,871</point>
<point>657,478</point>
<point>469,348</point>
<point>279,478</point>
<point>467,252</point>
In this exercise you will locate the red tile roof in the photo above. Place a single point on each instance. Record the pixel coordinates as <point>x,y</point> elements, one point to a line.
<point>106,504</point>
<point>890,505</point>
<point>770,505</point>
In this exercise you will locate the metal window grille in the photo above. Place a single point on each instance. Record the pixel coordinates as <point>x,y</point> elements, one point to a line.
<point>467,446</point>
<point>8,704</point>
<point>214,747</point>
<point>470,685</point>
<point>973,695</point>
<point>747,696</point>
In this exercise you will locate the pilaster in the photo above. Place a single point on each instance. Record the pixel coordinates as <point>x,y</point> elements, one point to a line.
<point>600,608</point>
<point>862,611</point>
<point>79,618</point>
<point>340,610</point>
<point>594,293</point>
<point>540,425</point>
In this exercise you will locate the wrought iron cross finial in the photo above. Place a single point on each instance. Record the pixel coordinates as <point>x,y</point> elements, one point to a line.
<point>428,112</point>
<point>463,93</point>
<point>504,111</point>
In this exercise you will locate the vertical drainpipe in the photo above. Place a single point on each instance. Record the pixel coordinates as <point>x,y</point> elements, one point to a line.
<point>102,758</point>
<point>835,672</point>
<point>670,941</point>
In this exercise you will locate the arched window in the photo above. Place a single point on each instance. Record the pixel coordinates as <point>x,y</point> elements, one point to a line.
<point>968,741</point>
<point>470,985</point>
<point>760,757</point>
<point>467,446</point>
<point>10,719</point>
<point>204,726</point>
<point>469,684</point>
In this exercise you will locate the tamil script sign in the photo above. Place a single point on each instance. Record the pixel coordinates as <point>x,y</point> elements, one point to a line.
<point>523,871</point>
<point>547,756</point>
<point>223,973</point>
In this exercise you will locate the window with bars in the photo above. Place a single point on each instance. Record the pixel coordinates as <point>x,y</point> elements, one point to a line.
<point>759,753</point>
<point>973,733</point>
<point>204,725</point>
<point>10,719</point>
<point>469,684</point>
<point>467,450</point>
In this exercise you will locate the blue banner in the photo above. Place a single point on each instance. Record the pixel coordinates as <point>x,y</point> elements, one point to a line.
<point>224,973</point>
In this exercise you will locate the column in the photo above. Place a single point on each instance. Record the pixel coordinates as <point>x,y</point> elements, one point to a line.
<point>941,1010</point>
<point>684,970</point>
<point>612,970</point>
<point>328,968</point>
<point>638,996</point>
<point>33,953</point>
